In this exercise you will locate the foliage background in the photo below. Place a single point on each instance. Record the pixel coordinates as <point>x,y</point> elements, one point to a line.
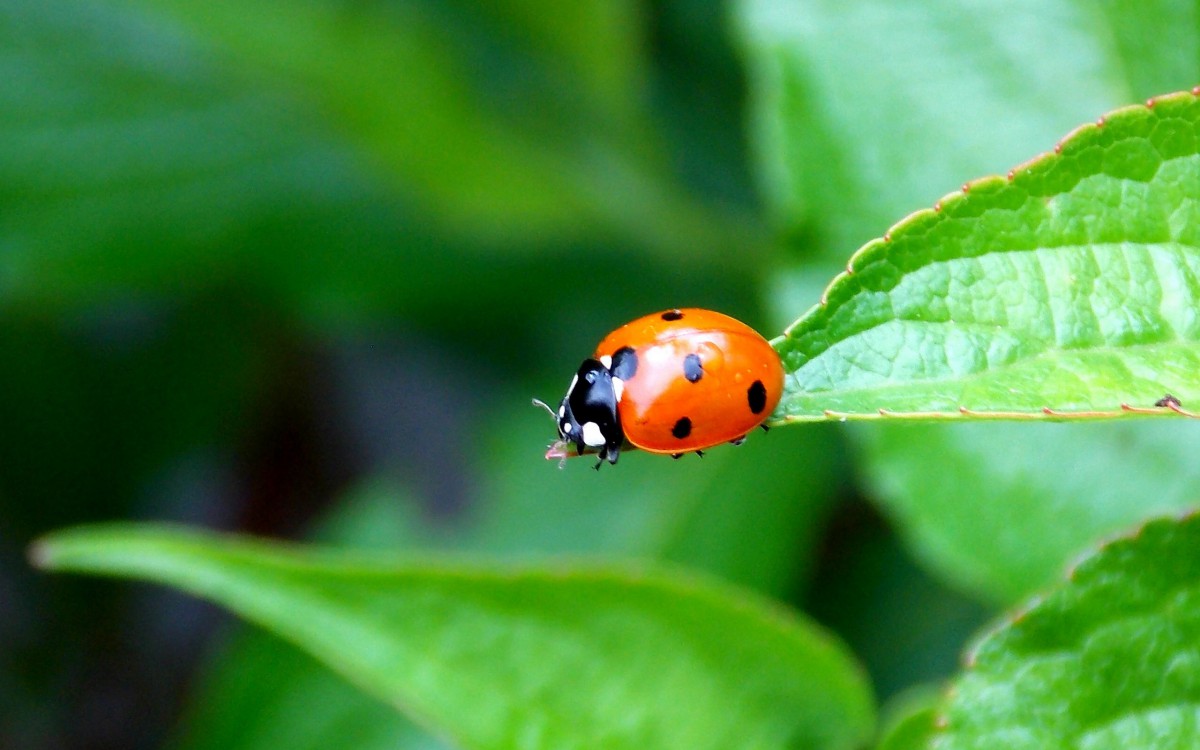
<point>296,269</point>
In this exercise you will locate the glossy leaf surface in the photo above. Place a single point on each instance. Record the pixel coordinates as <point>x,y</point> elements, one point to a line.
<point>1107,659</point>
<point>521,657</point>
<point>1067,288</point>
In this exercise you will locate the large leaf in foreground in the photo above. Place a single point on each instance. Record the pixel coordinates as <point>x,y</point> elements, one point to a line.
<point>1068,288</point>
<point>1107,660</point>
<point>261,694</point>
<point>529,657</point>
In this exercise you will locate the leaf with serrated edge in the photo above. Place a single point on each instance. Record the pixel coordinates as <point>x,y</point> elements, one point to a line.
<point>1107,660</point>
<point>1068,289</point>
<point>532,657</point>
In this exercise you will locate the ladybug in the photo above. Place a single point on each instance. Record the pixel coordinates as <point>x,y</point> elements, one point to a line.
<point>676,381</point>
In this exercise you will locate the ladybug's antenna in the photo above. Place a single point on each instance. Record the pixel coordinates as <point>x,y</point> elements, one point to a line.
<point>544,405</point>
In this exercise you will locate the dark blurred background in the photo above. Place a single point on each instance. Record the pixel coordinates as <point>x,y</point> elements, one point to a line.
<point>296,269</point>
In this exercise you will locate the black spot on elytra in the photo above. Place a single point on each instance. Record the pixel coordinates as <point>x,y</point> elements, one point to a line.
<point>757,396</point>
<point>682,428</point>
<point>672,315</point>
<point>693,370</point>
<point>624,363</point>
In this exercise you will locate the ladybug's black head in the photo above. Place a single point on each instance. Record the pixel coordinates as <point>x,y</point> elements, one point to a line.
<point>587,415</point>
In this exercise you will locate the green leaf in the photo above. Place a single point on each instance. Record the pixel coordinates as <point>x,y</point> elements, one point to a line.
<point>259,692</point>
<point>136,169</point>
<point>1067,289</point>
<point>909,720</point>
<point>862,111</point>
<point>169,154</point>
<point>573,655</point>
<point>999,509</point>
<point>263,694</point>
<point>694,513</point>
<point>509,120</point>
<point>1107,660</point>
<point>1155,43</point>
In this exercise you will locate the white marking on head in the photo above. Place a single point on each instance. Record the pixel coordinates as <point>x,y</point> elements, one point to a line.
<point>592,435</point>
<point>606,361</point>
<point>618,388</point>
<point>562,411</point>
<point>567,427</point>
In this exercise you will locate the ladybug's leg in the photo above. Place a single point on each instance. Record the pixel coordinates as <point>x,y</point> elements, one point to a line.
<point>610,452</point>
<point>700,454</point>
<point>764,427</point>
<point>738,440</point>
<point>676,456</point>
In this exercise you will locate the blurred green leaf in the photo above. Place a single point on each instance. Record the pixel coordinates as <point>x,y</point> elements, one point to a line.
<point>999,509</point>
<point>698,514</point>
<point>909,720</point>
<point>258,692</point>
<point>1070,287</point>
<point>133,165</point>
<point>1156,44</point>
<point>267,695</point>
<point>537,657</point>
<point>153,149</point>
<point>508,121</point>
<point>776,490</point>
<point>862,111</point>
<point>1107,659</point>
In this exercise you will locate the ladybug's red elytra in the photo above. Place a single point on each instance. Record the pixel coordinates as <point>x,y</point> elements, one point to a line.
<point>676,381</point>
